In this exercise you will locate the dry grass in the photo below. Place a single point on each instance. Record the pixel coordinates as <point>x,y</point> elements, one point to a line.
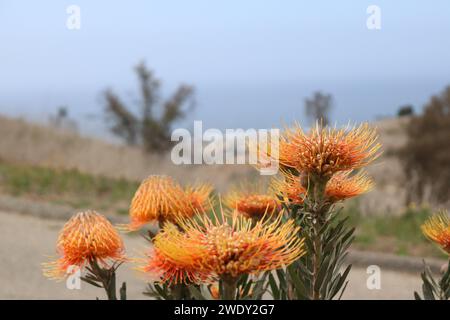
<point>30,144</point>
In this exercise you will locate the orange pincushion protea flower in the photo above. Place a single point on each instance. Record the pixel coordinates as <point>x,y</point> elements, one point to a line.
<point>235,246</point>
<point>251,204</point>
<point>437,229</point>
<point>158,198</point>
<point>343,185</point>
<point>203,249</point>
<point>87,236</point>
<point>172,260</point>
<point>325,151</point>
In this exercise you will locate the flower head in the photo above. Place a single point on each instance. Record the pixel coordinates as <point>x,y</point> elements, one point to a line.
<point>343,185</point>
<point>437,229</point>
<point>159,198</point>
<point>204,249</point>
<point>234,246</point>
<point>325,151</point>
<point>251,203</point>
<point>171,260</point>
<point>87,236</point>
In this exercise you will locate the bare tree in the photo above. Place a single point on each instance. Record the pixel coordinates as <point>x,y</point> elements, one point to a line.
<point>318,107</point>
<point>61,120</point>
<point>151,128</point>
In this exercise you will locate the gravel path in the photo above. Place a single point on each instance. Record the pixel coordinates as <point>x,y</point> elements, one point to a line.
<point>26,241</point>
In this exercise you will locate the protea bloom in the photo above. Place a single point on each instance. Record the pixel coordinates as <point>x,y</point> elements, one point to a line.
<point>87,237</point>
<point>325,151</point>
<point>344,185</point>
<point>437,229</point>
<point>160,199</point>
<point>237,246</point>
<point>171,260</point>
<point>251,203</point>
<point>204,248</point>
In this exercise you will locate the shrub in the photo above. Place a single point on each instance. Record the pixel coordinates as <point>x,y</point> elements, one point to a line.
<point>427,153</point>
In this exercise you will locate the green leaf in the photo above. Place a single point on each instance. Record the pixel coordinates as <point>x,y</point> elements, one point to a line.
<point>196,293</point>
<point>91,282</point>
<point>427,288</point>
<point>162,292</point>
<point>298,285</point>
<point>123,291</point>
<point>341,281</point>
<point>274,288</point>
<point>259,288</point>
<point>343,290</point>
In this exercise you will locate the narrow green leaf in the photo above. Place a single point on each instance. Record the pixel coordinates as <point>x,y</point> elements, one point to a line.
<point>196,293</point>
<point>274,288</point>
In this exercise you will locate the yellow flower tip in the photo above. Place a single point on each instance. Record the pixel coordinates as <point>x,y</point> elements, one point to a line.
<point>251,203</point>
<point>199,196</point>
<point>289,188</point>
<point>344,185</point>
<point>158,198</point>
<point>87,236</point>
<point>324,151</point>
<point>170,260</point>
<point>437,229</point>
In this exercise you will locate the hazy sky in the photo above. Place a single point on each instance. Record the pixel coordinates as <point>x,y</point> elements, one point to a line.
<point>252,62</point>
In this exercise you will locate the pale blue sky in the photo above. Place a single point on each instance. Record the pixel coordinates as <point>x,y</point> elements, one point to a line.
<point>252,62</point>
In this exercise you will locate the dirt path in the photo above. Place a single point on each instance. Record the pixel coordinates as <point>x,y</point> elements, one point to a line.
<point>25,242</point>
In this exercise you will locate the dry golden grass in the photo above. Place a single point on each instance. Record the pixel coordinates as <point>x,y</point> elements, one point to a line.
<point>32,144</point>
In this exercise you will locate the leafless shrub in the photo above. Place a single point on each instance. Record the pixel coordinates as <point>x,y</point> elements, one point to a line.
<point>151,128</point>
<point>426,156</point>
<point>318,107</point>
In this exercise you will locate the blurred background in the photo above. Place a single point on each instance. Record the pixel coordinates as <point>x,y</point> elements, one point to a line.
<point>91,91</point>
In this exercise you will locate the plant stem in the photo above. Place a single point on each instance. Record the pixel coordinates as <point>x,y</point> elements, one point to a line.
<point>110,285</point>
<point>316,259</point>
<point>319,211</point>
<point>229,287</point>
<point>107,277</point>
<point>123,291</point>
<point>180,291</point>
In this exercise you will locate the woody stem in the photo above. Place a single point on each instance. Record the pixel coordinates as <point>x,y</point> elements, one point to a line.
<point>107,277</point>
<point>228,287</point>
